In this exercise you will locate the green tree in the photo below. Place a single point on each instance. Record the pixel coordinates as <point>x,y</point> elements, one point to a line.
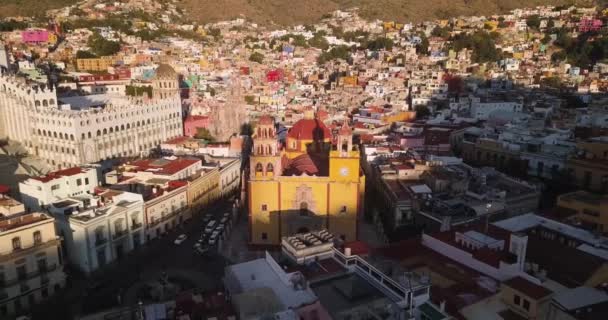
<point>338,52</point>
<point>12,25</point>
<point>205,134</point>
<point>138,91</point>
<point>482,44</point>
<point>295,39</point>
<point>250,100</point>
<point>422,112</point>
<point>423,46</point>
<point>256,57</point>
<point>101,46</point>
<point>379,43</point>
<point>443,32</point>
<point>533,21</point>
<point>83,54</point>
<point>559,56</point>
<point>215,33</point>
<point>319,42</point>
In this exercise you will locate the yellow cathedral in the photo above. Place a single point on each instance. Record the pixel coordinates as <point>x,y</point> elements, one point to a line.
<point>308,182</point>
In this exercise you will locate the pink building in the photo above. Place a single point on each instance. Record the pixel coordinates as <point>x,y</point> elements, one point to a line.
<point>192,123</point>
<point>35,36</point>
<point>586,25</point>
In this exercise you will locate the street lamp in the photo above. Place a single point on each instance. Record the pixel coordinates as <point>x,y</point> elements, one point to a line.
<point>488,206</point>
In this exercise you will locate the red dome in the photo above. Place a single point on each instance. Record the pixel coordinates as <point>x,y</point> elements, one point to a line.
<point>303,163</point>
<point>309,129</point>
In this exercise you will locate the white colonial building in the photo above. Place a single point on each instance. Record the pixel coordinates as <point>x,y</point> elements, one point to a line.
<point>98,229</point>
<point>38,192</point>
<point>230,176</point>
<point>70,131</point>
<point>482,108</point>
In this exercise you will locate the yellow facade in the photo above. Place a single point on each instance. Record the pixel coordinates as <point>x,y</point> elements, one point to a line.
<point>283,202</point>
<point>95,64</point>
<point>28,246</point>
<point>348,81</point>
<point>52,38</point>
<point>399,117</point>
<point>590,170</point>
<point>203,189</point>
<point>491,25</point>
<point>589,208</point>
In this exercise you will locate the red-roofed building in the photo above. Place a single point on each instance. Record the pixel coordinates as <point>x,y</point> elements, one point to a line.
<point>168,168</point>
<point>164,184</point>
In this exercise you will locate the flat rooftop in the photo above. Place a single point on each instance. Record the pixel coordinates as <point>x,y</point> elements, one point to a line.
<point>266,273</point>
<point>163,166</point>
<point>8,202</point>
<point>92,101</point>
<point>345,293</point>
<point>16,221</point>
<point>480,237</point>
<point>585,197</point>
<point>531,220</point>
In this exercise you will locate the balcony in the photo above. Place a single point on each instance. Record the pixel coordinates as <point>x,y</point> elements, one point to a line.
<point>18,253</point>
<point>136,226</point>
<point>169,216</point>
<point>119,234</point>
<point>43,274</point>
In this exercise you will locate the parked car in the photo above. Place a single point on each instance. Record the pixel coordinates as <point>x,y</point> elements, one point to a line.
<point>206,218</point>
<point>210,226</point>
<point>181,238</point>
<point>201,250</point>
<point>213,238</point>
<point>220,228</point>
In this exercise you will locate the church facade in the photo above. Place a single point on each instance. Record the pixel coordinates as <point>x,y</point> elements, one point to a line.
<point>310,181</point>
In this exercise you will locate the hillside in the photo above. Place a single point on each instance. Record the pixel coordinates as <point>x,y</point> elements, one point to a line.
<point>10,8</point>
<point>287,12</point>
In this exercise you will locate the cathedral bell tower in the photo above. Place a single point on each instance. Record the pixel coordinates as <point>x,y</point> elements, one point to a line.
<point>345,139</point>
<point>265,159</point>
<point>344,159</point>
